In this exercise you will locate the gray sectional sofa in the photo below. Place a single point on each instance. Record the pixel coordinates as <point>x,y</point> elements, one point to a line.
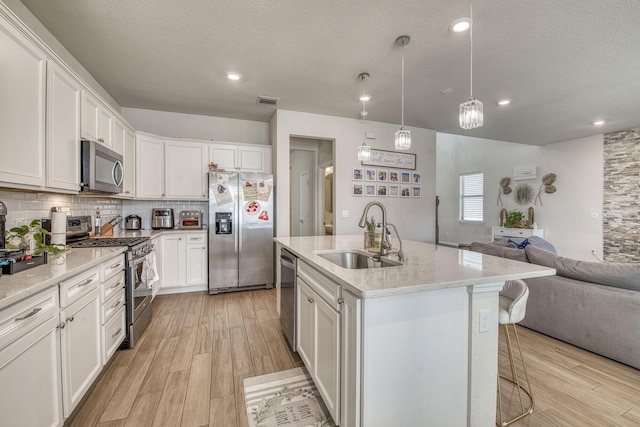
<point>592,305</point>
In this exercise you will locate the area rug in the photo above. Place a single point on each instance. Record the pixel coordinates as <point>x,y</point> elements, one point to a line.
<point>285,399</point>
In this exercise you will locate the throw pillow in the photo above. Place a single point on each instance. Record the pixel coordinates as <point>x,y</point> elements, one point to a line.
<point>500,251</point>
<point>618,275</point>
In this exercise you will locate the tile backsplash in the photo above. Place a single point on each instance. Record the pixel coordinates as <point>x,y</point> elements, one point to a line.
<point>23,207</point>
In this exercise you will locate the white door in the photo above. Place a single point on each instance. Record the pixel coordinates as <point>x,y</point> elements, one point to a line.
<point>305,204</point>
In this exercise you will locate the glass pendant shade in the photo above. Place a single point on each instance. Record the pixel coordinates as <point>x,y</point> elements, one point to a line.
<point>403,139</point>
<point>471,115</point>
<point>364,152</point>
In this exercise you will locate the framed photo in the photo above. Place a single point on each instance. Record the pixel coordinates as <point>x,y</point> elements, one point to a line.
<point>405,177</point>
<point>415,191</point>
<point>394,191</point>
<point>391,159</point>
<point>358,189</point>
<point>416,178</point>
<point>370,174</point>
<point>383,175</point>
<point>405,191</point>
<point>358,174</point>
<point>394,176</point>
<point>382,190</point>
<point>370,190</point>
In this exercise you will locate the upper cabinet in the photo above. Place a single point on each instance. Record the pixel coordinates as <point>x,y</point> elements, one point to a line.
<point>96,120</point>
<point>185,170</point>
<point>123,140</point>
<point>22,109</point>
<point>63,129</point>
<point>246,158</point>
<point>149,167</point>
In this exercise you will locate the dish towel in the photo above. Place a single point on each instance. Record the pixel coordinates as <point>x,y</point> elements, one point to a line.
<point>152,269</point>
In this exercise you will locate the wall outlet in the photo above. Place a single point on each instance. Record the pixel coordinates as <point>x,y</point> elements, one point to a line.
<point>345,214</point>
<point>484,320</point>
<point>594,215</point>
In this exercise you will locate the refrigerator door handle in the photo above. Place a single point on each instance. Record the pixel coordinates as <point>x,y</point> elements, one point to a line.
<point>238,219</point>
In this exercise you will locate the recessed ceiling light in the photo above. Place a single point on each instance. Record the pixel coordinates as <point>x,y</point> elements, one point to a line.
<point>598,122</point>
<point>504,102</point>
<point>233,76</point>
<point>365,98</point>
<point>460,25</point>
<point>446,91</point>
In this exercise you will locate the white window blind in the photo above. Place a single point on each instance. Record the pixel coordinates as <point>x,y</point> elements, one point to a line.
<point>471,197</point>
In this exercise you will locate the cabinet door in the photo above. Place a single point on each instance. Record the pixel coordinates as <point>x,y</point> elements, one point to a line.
<point>196,264</point>
<point>104,126</point>
<point>129,160</point>
<point>81,348</point>
<point>251,159</point>
<point>327,355</point>
<point>63,129</point>
<point>90,116</point>
<point>351,348</point>
<point>149,167</point>
<point>117,136</point>
<point>173,260</point>
<point>224,156</point>
<point>22,109</point>
<point>305,324</point>
<point>30,376</point>
<point>185,171</point>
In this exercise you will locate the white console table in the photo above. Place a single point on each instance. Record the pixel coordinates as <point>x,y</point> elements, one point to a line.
<point>516,232</point>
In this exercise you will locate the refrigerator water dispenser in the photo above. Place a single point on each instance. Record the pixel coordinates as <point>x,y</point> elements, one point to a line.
<point>223,223</point>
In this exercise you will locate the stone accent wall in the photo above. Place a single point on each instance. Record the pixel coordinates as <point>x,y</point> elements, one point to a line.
<point>621,205</point>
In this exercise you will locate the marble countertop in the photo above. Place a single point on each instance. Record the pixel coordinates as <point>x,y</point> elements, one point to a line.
<point>426,267</point>
<point>19,286</point>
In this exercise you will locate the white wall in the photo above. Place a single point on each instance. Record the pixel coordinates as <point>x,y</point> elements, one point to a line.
<point>197,127</point>
<point>414,217</point>
<point>565,215</point>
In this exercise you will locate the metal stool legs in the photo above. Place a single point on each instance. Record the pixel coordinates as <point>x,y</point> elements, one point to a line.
<point>523,388</point>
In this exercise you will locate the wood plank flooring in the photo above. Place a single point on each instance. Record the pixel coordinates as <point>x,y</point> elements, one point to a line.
<point>188,366</point>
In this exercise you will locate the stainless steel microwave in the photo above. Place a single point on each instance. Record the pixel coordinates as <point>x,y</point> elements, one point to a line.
<point>101,169</point>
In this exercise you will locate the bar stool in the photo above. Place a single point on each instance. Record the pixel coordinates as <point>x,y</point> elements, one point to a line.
<point>513,303</point>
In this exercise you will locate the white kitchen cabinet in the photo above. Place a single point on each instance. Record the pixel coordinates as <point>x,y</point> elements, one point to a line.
<point>246,158</point>
<point>184,262</point>
<point>63,129</point>
<point>22,109</point>
<point>117,135</point>
<point>112,307</point>
<point>319,334</point>
<point>80,339</point>
<point>185,170</point>
<point>129,160</point>
<point>149,167</point>
<point>350,397</point>
<point>96,120</point>
<point>156,241</point>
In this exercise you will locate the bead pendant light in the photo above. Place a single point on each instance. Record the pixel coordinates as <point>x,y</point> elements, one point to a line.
<point>364,151</point>
<point>403,136</point>
<point>471,115</point>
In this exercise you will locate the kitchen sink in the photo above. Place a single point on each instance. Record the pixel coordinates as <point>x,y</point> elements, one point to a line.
<point>356,259</point>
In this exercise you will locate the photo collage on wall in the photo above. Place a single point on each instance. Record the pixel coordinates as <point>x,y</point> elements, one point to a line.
<point>371,182</point>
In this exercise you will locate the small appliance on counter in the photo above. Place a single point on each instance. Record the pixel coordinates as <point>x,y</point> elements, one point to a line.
<point>162,218</point>
<point>133,222</point>
<point>190,220</point>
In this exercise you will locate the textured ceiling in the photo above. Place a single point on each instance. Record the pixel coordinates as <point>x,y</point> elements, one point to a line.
<point>563,63</point>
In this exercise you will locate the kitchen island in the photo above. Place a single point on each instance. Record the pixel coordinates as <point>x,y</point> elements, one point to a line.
<point>408,346</point>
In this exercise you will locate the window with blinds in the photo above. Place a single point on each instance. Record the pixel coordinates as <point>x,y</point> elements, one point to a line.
<point>471,197</point>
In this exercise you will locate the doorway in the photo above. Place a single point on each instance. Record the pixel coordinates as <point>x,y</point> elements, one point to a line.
<point>311,197</point>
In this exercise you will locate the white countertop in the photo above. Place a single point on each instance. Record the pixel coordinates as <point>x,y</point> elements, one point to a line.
<point>18,286</point>
<point>153,233</point>
<point>426,267</point>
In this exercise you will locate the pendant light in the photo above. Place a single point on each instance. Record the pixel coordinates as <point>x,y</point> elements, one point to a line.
<point>364,151</point>
<point>471,115</point>
<point>403,136</point>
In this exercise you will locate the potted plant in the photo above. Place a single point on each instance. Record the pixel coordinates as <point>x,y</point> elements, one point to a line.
<point>20,237</point>
<point>369,235</point>
<point>513,219</point>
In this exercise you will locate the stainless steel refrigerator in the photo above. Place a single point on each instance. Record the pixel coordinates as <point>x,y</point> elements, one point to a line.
<point>240,231</point>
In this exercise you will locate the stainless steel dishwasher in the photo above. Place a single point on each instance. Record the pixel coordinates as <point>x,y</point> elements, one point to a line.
<point>288,296</point>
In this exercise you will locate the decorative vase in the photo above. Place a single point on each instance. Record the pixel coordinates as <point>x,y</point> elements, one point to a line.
<point>369,240</point>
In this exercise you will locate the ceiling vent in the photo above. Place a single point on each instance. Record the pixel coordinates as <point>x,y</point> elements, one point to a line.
<point>268,100</point>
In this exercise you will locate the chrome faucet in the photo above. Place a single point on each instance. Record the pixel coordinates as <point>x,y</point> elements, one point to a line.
<point>385,244</point>
<point>400,253</point>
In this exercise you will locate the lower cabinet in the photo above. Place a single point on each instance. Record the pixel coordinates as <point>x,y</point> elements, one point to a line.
<point>351,360</point>
<point>184,262</point>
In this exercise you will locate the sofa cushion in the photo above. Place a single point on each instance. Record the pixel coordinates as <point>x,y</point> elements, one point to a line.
<point>536,241</point>
<point>501,251</point>
<point>625,276</point>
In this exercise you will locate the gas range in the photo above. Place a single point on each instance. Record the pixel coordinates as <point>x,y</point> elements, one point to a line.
<point>109,241</point>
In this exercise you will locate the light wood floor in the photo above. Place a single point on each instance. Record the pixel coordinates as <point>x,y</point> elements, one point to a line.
<point>187,370</point>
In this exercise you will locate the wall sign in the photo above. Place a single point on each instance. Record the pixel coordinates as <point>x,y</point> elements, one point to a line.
<point>391,159</point>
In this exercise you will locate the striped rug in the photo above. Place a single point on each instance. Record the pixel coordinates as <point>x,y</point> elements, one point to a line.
<point>285,399</point>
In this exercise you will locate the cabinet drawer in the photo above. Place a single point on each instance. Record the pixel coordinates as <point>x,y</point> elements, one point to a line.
<point>196,238</point>
<point>22,317</point>
<point>112,267</point>
<point>321,284</point>
<point>113,333</point>
<point>113,304</point>
<point>71,290</point>
<point>112,286</point>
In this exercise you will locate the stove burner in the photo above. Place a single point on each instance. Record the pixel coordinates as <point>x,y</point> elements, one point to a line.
<point>108,242</point>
